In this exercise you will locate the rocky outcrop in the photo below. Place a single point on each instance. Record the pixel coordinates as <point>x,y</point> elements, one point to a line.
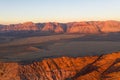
<point>83,27</point>
<point>53,27</point>
<point>28,26</point>
<point>109,26</point>
<point>86,27</point>
<point>103,67</point>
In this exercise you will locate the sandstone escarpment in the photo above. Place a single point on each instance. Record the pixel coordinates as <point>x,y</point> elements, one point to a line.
<point>103,67</point>
<point>83,27</point>
<point>109,26</point>
<point>53,27</point>
<point>86,27</point>
<point>28,26</point>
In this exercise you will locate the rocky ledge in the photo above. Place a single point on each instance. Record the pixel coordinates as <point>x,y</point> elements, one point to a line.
<point>103,67</point>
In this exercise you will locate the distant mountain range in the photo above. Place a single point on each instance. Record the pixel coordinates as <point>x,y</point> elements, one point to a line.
<point>86,27</point>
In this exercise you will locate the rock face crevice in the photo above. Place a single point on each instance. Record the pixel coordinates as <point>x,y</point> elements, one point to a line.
<point>105,67</point>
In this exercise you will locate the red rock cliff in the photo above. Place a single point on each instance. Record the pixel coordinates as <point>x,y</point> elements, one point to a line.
<point>104,67</point>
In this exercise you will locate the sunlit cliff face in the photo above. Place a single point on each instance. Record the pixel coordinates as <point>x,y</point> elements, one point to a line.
<point>64,68</point>
<point>92,27</point>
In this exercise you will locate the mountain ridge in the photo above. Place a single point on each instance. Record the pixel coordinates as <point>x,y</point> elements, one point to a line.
<point>85,27</point>
<point>102,67</point>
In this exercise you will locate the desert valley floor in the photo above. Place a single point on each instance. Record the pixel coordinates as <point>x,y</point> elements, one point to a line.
<point>54,46</point>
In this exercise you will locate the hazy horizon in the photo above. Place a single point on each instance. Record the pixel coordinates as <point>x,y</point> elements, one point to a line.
<point>53,22</point>
<point>14,11</point>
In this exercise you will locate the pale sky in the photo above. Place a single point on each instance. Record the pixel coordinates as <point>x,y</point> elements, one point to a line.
<point>18,11</point>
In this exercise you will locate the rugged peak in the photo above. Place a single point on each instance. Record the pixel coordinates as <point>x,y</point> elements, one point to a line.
<point>28,23</point>
<point>53,27</point>
<point>48,27</point>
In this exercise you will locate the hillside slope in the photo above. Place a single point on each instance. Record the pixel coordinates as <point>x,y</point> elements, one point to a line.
<point>103,67</point>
